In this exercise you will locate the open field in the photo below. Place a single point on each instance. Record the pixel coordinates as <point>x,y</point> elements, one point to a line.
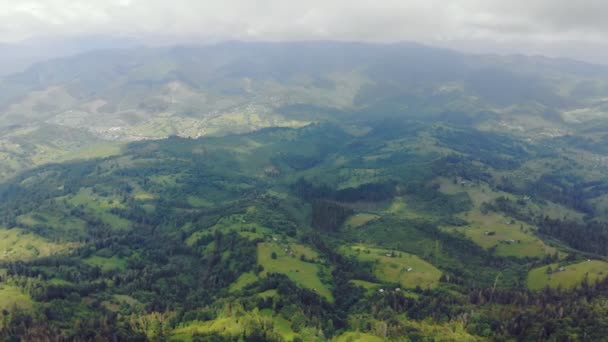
<point>305,274</point>
<point>497,231</point>
<point>234,223</point>
<point>397,267</point>
<point>494,230</point>
<point>244,280</point>
<point>481,192</point>
<point>101,150</point>
<point>571,275</point>
<point>417,331</point>
<point>67,224</point>
<point>11,296</point>
<point>234,325</point>
<point>399,207</point>
<point>353,336</point>
<point>365,284</point>
<point>360,219</point>
<point>16,244</point>
<point>107,264</point>
<point>100,206</point>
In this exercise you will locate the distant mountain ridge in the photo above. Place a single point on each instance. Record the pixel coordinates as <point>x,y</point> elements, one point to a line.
<point>121,95</point>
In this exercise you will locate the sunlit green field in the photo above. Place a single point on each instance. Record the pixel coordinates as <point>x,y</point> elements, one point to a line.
<point>359,220</point>
<point>16,244</point>
<point>11,296</point>
<point>397,267</point>
<point>107,264</point>
<point>235,324</point>
<point>509,237</point>
<point>305,274</point>
<point>571,276</point>
<point>101,206</point>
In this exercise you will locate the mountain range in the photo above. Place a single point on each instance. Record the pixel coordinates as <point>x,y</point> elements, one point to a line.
<point>305,191</point>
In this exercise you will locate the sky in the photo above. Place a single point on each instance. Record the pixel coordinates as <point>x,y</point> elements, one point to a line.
<point>563,28</point>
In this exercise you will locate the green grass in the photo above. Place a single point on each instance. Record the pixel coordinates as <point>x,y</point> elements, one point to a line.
<point>235,324</point>
<point>227,326</point>
<point>399,207</point>
<point>11,296</point>
<point>234,223</point>
<point>59,282</point>
<point>359,220</point>
<point>100,206</point>
<point>16,244</point>
<point>305,274</point>
<point>283,327</point>
<point>526,243</point>
<point>198,202</point>
<point>508,239</point>
<point>425,329</point>
<point>116,301</point>
<point>272,293</point>
<point>365,284</point>
<point>58,221</point>
<point>570,277</point>
<point>164,180</point>
<point>101,150</point>
<point>394,269</point>
<point>107,264</point>
<point>244,280</point>
<point>352,336</point>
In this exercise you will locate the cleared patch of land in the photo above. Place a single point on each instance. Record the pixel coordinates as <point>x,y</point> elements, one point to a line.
<point>56,220</point>
<point>235,223</point>
<point>360,219</point>
<point>352,336</point>
<point>107,264</point>
<point>507,236</point>
<point>11,296</point>
<point>234,325</point>
<point>277,258</point>
<point>399,207</point>
<point>100,207</point>
<point>244,280</point>
<point>101,150</point>
<point>16,244</point>
<point>567,276</point>
<point>397,267</point>
<point>365,284</point>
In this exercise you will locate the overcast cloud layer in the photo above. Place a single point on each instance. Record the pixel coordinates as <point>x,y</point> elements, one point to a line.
<point>569,28</point>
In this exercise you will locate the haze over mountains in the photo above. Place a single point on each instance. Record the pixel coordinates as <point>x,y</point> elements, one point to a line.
<point>64,105</point>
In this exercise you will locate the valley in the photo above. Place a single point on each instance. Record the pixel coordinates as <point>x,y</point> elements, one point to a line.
<point>224,193</point>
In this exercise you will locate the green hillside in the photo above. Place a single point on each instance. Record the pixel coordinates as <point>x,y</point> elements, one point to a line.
<point>375,192</point>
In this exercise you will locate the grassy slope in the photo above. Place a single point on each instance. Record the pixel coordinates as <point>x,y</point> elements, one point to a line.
<point>305,274</point>
<point>16,244</point>
<point>107,264</point>
<point>360,219</point>
<point>100,206</point>
<point>570,277</point>
<point>504,227</point>
<point>394,269</point>
<point>12,296</point>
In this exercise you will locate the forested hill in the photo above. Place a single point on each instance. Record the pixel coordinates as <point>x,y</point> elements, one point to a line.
<point>396,229</point>
<point>88,105</point>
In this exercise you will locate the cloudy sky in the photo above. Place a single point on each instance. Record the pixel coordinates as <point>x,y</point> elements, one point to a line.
<point>566,28</point>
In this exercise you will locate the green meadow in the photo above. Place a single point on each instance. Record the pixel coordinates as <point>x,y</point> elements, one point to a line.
<point>17,244</point>
<point>572,275</point>
<point>287,262</point>
<point>392,266</point>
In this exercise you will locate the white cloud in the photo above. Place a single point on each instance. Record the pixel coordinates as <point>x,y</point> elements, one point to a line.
<point>507,22</point>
